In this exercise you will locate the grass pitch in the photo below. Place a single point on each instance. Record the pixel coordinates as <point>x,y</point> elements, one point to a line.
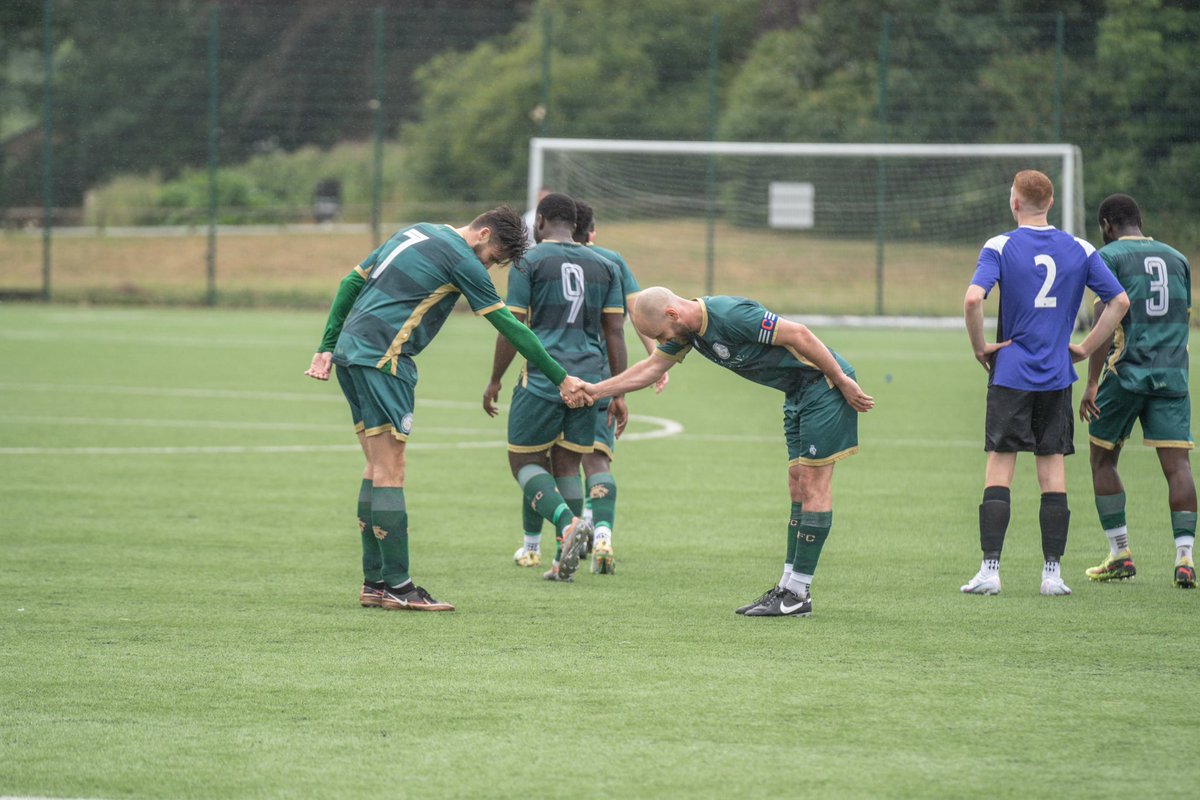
<point>178,578</point>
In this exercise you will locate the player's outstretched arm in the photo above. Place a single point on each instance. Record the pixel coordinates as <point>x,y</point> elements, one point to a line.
<point>639,376</point>
<point>985,352</point>
<point>1110,318</point>
<point>651,346</point>
<point>799,338</point>
<point>527,344</point>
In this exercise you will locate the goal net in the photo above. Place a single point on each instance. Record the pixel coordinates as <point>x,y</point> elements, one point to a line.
<point>810,228</point>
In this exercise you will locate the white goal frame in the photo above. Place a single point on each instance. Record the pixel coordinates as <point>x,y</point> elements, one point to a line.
<point>1072,159</point>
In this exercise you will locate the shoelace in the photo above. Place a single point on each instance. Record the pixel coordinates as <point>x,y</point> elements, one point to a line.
<point>767,595</point>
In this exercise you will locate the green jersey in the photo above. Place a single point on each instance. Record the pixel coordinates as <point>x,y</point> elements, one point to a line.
<point>412,282</point>
<point>1149,353</point>
<point>739,334</point>
<point>629,287</point>
<point>564,289</point>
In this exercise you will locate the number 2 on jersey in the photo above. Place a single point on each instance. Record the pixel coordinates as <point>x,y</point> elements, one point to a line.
<point>1156,268</point>
<point>572,286</point>
<point>1043,299</point>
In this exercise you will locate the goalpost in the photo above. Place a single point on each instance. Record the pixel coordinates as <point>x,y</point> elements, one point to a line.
<point>833,209</point>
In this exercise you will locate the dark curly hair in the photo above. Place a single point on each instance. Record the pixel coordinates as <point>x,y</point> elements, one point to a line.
<point>557,207</point>
<point>508,231</point>
<point>1121,210</point>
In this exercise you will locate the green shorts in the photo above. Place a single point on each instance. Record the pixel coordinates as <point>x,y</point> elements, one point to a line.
<point>536,424</point>
<point>1166,421</point>
<point>379,402</point>
<point>605,434</point>
<point>820,425</point>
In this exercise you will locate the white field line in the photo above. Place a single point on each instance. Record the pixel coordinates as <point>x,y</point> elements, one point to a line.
<point>663,428</point>
<point>144,341</point>
<point>122,422</point>
<point>334,396</point>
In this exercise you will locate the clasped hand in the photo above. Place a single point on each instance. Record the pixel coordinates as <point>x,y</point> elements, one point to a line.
<point>576,393</point>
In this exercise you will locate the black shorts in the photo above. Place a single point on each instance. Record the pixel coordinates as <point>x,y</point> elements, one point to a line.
<point>1021,422</point>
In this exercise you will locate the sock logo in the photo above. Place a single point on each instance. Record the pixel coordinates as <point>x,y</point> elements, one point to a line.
<point>805,537</point>
<point>362,526</point>
<point>379,532</point>
<point>598,491</point>
<point>537,498</point>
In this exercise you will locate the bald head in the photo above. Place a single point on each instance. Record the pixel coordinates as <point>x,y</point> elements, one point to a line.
<point>649,310</point>
<point>661,314</point>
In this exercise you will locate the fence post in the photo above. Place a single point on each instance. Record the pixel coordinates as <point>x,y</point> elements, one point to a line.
<point>544,112</point>
<point>1059,37</point>
<point>214,28</point>
<point>710,185</point>
<point>47,142</point>
<point>377,117</point>
<point>881,180</point>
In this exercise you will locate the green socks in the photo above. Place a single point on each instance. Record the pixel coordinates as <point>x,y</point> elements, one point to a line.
<point>602,497</point>
<point>793,531</point>
<point>531,521</point>
<point>571,490</point>
<point>372,559</point>
<point>1183,523</point>
<point>541,495</point>
<point>1111,508</point>
<point>389,523</point>
<point>811,534</point>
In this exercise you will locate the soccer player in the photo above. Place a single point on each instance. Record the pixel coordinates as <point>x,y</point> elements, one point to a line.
<point>1041,272</point>
<point>821,406</point>
<point>1146,379</point>
<point>599,501</point>
<point>385,313</point>
<point>572,300</point>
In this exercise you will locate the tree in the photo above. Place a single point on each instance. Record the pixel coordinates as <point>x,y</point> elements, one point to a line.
<point>618,70</point>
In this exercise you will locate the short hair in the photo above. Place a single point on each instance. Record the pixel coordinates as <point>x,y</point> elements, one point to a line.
<point>1034,188</point>
<point>585,221</point>
<point>1121,210</point>
<point>508,231</point>
<point>557,207</point>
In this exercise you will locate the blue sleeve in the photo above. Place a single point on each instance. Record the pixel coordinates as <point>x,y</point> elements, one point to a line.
<point>987,271</point>
<point>1101,279</point>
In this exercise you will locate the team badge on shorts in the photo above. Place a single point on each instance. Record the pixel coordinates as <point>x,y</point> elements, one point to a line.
<point>406,424</point>
<point>812,449</point>
<point>721,350</point>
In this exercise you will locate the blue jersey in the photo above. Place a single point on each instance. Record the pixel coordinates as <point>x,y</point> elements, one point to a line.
<point>1042,273</point>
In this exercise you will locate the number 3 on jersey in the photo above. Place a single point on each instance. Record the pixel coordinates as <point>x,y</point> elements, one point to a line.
<point>1043,299</point>
<point>1156,268</point>
<point>573,289</point>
